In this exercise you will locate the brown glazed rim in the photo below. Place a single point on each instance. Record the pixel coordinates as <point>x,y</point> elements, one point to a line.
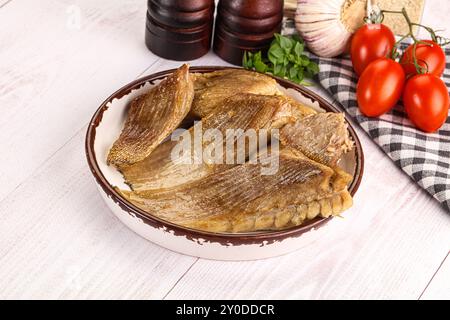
<point>261,238</point>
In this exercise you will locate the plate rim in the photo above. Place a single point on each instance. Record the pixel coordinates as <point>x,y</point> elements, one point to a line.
<point>193,234</point>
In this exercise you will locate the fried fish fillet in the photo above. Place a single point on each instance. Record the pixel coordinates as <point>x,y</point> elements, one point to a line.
<point>299,109</point>
<point>211,89</point>
<point>152,117</point>
<point>322,137</point>
<point>239,112</point>
<point>240,199</point>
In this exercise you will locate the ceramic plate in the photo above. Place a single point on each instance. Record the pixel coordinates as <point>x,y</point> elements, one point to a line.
<point>104,129</point>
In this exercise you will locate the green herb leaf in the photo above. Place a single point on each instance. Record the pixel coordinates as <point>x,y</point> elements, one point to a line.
<point>275,53</point>
<point>258,56</point>
<point>280,71</point>
<point>313,67</point>
<point>277,38</point>
<point>286,43</point>
<point>245,60</point>
<point>285,58</point>
<point>304,60</point>
<point>293,72</point>
<point>260,66</point>
<point>277,70</point>
<point>300,76</point>
<point>276,50</point>
<point>298,49</point>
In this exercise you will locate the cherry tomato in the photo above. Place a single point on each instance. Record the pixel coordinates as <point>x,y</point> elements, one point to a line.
<point>379,87</point>
<point>426,101</point>
<point>370,42</point>
<point>428,55</point>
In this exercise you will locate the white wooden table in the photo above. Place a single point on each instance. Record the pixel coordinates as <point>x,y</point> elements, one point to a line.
<point>59,59</point>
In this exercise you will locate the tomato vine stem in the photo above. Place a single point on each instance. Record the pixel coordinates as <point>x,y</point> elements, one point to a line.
<point>434,37</point>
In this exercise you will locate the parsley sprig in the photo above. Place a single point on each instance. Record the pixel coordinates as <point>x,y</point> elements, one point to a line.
<point>285,59</point>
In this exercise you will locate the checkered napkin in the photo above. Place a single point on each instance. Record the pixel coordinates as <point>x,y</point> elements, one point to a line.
<point>424,157</point>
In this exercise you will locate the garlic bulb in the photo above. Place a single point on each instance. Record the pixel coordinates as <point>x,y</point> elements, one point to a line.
<point>327,25</point>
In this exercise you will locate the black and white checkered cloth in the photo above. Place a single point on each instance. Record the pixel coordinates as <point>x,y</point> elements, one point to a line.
<point>424,157</point>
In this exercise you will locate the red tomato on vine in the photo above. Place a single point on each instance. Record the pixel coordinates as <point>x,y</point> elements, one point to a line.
<point>429,56</point>
<point>426,101</point>
<point>370,42</point>
<point>380,87</point>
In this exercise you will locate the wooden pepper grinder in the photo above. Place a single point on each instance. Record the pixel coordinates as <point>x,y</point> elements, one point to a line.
<point>179,29</point>
<point>246,25</point>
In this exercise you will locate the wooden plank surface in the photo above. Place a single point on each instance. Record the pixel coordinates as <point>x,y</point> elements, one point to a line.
<point>439,286</point>
<point>4,3</point>
<point>58,239</point>
<point>56,68</point>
